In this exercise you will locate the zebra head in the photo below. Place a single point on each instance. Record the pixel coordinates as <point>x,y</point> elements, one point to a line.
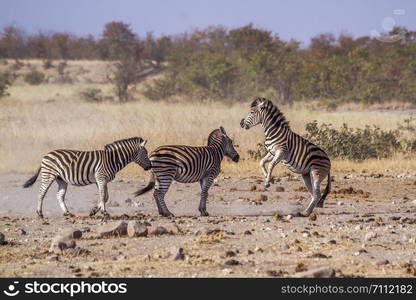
<point>142,157</point>
<point>255,116</point>
<point>228,146</point>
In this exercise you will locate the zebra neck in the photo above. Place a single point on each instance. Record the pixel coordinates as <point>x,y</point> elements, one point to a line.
<point>218,150</point>
<point>120,159</point>
<point>275,125</point>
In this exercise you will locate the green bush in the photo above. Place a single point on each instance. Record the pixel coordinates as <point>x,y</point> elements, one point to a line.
<point>6,80</point>
<point>34,77</point>
<point>92,95</point>
<point>354,144</point>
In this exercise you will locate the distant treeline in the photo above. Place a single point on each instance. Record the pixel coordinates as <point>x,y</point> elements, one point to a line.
<point>222,64</point>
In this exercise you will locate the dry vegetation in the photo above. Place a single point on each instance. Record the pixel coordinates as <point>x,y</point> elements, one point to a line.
<point>36,119</point>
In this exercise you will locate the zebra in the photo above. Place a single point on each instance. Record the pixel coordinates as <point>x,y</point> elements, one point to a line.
<point>295,152</point>
<point>187,164</point>
<point>82,168</point>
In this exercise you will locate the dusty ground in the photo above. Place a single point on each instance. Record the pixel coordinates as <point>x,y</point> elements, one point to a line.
<point>241,228</point>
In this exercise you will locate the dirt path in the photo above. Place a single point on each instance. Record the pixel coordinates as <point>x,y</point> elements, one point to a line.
<point>366,230</point>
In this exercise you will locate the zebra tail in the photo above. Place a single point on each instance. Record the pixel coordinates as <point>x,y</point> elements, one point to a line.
<point>32,180</point>
<point>149,186</point>
<point>327,189</point>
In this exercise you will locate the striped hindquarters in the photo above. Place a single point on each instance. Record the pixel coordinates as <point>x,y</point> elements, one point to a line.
<point>303,155</point>
<point>185,163</point>
<point>75,167</point>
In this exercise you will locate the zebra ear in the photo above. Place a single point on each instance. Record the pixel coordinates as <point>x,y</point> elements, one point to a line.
<point>222,130</point>
<point>142,144</point>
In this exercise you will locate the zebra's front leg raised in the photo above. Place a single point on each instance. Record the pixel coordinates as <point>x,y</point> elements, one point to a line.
<point>276,159</point>
<point>205,183</point>
<point>263,162</point>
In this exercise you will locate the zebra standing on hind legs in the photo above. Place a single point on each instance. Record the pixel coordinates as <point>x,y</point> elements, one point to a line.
<point>188,164</point>
<point>296,153</point>
<point>86,167</point>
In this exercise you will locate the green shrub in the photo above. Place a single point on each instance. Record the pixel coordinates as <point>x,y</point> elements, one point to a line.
<point>92,95</point>
<point>354,144</point>
<point>6,80</point>
<point>34,77</point>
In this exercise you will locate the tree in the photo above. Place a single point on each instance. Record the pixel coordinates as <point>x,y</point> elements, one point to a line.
<point>13,42</point>
<point>123,46</point>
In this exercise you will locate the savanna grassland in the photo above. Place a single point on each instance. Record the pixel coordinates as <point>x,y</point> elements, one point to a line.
<point>367,227</point>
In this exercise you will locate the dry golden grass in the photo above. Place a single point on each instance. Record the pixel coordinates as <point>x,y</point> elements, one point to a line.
<point>37,119</point>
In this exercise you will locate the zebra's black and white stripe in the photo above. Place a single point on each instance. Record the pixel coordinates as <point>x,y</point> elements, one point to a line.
<point>188,164</point>
<point>295,152</point>
<point>86,167</point>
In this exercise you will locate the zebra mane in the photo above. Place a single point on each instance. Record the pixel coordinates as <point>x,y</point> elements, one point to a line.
<point>215,133</point>
<point>271,108</point>
<point>116,144</point>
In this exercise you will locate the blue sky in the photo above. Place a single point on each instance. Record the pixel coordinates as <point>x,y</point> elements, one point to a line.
<point>298,19</point>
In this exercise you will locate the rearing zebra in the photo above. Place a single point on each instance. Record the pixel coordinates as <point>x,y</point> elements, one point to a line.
<point>86,167</point>
<point>295,152</point>
<point>188,164</point>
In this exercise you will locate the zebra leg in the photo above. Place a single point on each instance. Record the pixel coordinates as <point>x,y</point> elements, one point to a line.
<point>263,162</point>
<point>205,183</point>
<point>276,159</point>
<point>161,187</point>
<point>102,189</point>
<point>308,184</point>
<point>316,179</point>
<point>44,187</point>
<point>60,195</point>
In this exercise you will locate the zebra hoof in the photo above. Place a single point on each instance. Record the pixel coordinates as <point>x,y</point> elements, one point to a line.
<point>93,211</point>
<point>68,214</point>
<point>204,213</point>
<point>40,215</point>
<point>304,214</point>
<point>267,185</point>
<point>105,214</point>
<point>167,214</point>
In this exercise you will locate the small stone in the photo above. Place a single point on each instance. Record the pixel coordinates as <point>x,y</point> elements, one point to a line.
<point>227,271</point>
<point>117,228</point>
<point>174,229</point>
<point>247,232</point>
<point>180,254</point>
<point>273,273</point>
<point>288,217</point>
<point>324,272</point>
<point>136,229</point>
<point>300,267</point>
<point>60,243</point>
<point>285,247</point>
<point>253,188</point>
<point>370,235</point>
<point>159,230</point>
<point>280,189</point>
<point>30,261</point>
<point>22,231</point>
<point>382,262</point>
<point>2,239</point>
<point>312,217</point>
<point>52,258</point>
<point>306,234</point>
<point>258,249</point>
<point>358,227</point>
<point>339,203</point>
<point>230,254</point>
<point>333,242</point>
<point>232,262</point>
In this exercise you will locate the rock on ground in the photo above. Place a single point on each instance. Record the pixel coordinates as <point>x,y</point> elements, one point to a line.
<point>117,228</point>
<point>136,229</point>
